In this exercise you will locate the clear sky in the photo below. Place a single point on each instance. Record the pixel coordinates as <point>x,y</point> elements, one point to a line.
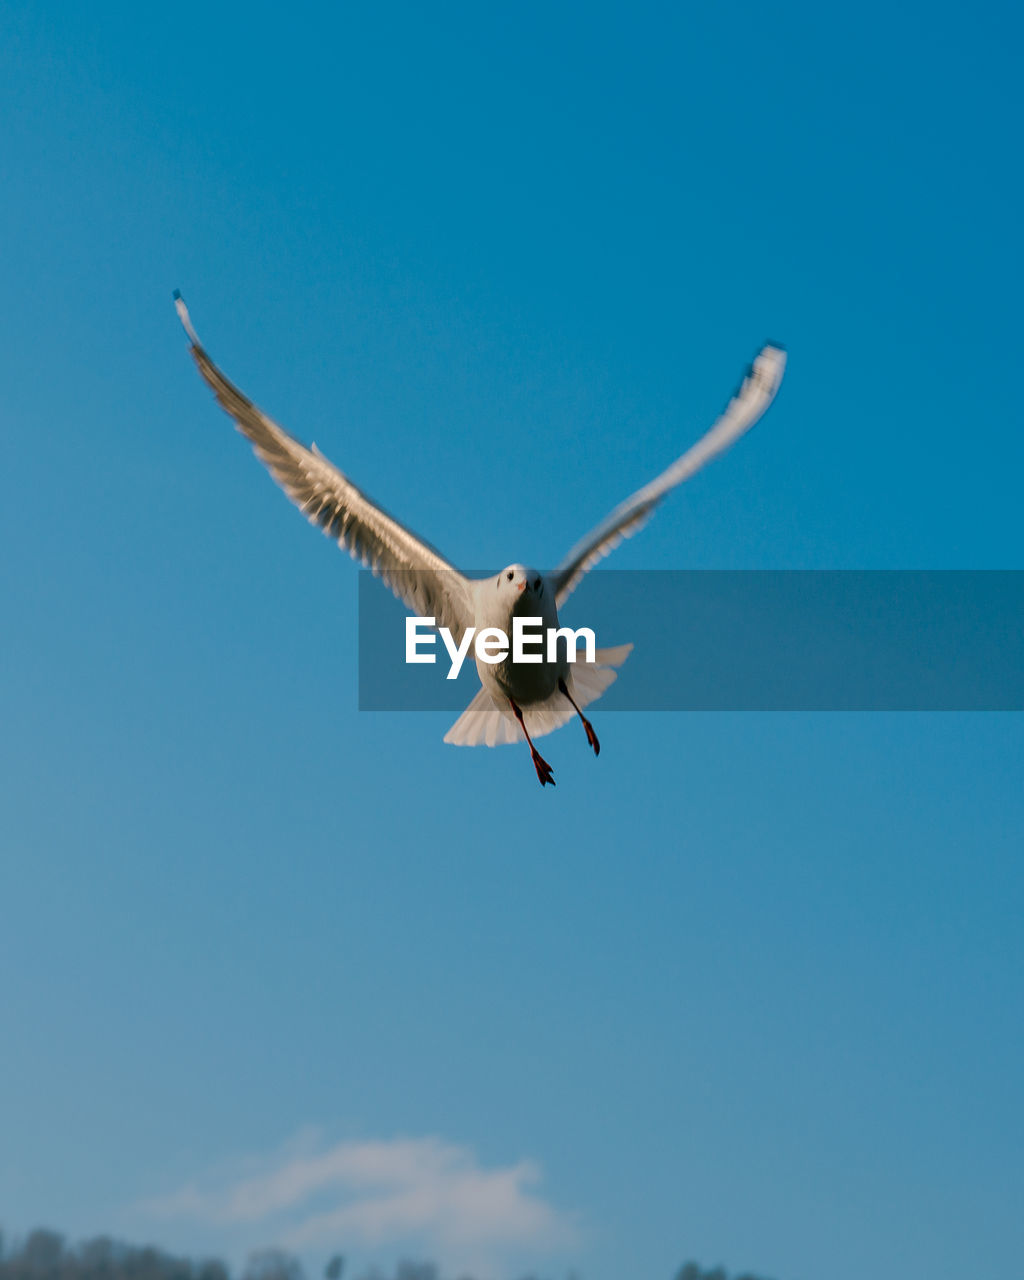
<point>748,988</point>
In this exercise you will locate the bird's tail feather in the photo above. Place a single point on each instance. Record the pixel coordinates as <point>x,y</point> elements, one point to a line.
<point>485,722</point>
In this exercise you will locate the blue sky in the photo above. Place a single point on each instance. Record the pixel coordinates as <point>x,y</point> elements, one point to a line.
<point>748,988</point>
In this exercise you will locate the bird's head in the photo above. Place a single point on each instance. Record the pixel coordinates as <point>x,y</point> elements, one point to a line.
<point>521,588</point>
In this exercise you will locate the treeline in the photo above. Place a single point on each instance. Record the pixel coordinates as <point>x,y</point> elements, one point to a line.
<point>46,1255</point>
<point>691,1271</point>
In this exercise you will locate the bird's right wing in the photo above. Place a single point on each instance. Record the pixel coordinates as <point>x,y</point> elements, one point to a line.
<point>417,574</point>
<point>755,394</point>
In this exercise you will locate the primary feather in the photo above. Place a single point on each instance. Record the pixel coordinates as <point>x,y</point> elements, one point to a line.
<point>414,570</point>
<point>755,394</point>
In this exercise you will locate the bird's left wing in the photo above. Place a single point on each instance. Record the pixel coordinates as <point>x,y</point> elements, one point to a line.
<point>755,394</point>
<point>417,574</point>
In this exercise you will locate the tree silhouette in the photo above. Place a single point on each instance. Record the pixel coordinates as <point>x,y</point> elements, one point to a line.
<point>45,1255</point>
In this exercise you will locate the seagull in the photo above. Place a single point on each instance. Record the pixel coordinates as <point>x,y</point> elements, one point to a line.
<point>515,702</point>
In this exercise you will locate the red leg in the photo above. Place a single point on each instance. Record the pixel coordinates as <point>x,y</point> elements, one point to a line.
<point>591,735</point>
<point>539,763</point>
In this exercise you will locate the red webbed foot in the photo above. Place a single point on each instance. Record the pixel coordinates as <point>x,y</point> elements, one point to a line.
<point>542,767</point>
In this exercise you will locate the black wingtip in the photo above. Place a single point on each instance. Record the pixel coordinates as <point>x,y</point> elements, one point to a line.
<point>186,323</point>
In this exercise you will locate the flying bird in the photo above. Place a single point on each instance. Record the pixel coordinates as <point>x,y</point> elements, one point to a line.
<point>515,702</point>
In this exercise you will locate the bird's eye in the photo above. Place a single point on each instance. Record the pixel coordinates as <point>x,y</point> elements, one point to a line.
<point>509,575</point>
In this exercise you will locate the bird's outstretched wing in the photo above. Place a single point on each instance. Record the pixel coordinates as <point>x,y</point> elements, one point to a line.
<point>417,574</point>
<point>755,394</point>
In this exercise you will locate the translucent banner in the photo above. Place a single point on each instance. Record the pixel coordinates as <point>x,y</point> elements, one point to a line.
<point>812,640</point>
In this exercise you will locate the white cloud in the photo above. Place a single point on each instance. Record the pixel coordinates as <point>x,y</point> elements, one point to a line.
<point>421,1191</point>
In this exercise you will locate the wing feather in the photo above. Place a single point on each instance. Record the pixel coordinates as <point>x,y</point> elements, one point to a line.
<point>417,573</point>
<point>755,394</point>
